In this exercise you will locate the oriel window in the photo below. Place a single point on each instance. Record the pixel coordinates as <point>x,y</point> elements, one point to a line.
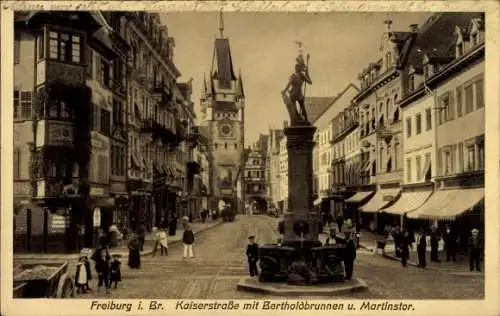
<point>65,47</point>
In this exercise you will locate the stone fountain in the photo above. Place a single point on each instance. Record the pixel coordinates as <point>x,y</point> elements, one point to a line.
<point>300,265</point>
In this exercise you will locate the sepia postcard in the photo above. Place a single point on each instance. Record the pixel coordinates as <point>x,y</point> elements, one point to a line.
<point>254,157</point>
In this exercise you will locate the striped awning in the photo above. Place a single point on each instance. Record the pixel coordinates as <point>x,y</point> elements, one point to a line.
<point>359,197</point>
<point>407,202</point>
<point>381,198</point>
<point>448,204</point>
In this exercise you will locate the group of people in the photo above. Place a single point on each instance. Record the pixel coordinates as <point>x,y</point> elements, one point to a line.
<point>107,267</point>
<point>404,239</point>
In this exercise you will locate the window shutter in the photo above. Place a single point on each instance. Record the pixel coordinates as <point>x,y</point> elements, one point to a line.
<point>17,164</point>
<point>453,157</point>
<point>451,110</point>
<point>439,170</point>
<point>460,157</point>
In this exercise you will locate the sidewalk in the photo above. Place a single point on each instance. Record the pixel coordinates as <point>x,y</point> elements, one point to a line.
<point>368,240</point>
<point>122,250</point>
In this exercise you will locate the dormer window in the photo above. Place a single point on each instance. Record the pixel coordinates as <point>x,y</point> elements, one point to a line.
<point>460,49</point>
<point>411,82</point>
<point>428,71</point>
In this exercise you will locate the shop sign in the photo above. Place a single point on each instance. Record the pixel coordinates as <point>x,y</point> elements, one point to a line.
<point>59,223</point>
<point>226,191</point>
<point>60,134</point>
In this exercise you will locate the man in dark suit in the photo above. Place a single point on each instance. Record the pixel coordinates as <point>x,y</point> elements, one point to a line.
<point>349,255</point>
<point>450,243</point>
<point>252,256</point>
<point>475,246</point>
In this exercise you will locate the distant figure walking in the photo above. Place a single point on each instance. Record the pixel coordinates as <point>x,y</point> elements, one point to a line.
<point>405,244</point>
<point>101,258</point>
<point>134,252</point>
<point>350,255</point>
<point>434,244</point>
<point>450,242</point>
<point>252,256</point>
<point>474,250</point>
<point>188,241</point>
<point>115,275</point>
<point>422,250</point>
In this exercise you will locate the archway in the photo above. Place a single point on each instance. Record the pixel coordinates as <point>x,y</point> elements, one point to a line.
<point>258,204</point>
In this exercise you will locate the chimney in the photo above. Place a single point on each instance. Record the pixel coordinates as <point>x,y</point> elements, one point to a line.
<point>285,124</point>
<point>414,28</point>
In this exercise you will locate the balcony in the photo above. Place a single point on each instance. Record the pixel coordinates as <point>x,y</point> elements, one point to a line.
<point>159,132</point>
<point>384,133</point>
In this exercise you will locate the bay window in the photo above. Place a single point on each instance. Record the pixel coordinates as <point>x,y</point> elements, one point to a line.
<point>65,46</point>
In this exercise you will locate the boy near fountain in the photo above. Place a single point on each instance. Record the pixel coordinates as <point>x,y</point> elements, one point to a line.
<point>253,256</point>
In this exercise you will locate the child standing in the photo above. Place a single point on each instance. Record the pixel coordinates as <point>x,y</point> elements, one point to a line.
<point>115,274</point>
<point>253,256</point>
<point>81,277</point>
<point>188,241</point>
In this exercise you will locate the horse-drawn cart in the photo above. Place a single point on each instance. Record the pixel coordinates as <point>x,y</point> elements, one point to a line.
<point>48,280</point>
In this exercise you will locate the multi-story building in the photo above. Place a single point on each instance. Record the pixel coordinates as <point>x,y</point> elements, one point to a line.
<point>380,123</point>
<point>205,167</point>
<point>255,178</point>
<point>157,121</point>
<point>323,151</point>
<point>273,166</point>
<point>223,111</point>
<point>58,142</point>
<point>443,111</point>
<point>283,172</point>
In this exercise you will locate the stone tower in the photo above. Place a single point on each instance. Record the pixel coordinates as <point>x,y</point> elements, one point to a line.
<point>223,112</point>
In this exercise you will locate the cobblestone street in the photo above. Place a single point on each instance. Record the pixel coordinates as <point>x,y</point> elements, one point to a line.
<point>219,263</point>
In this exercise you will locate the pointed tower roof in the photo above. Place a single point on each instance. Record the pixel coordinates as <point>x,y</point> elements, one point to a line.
<point>222,63</point>
<point>204,88</point>
<point>239,86</point>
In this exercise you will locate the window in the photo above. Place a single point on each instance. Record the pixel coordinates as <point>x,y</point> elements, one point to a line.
<point>105,122</point>
<point>418,167</point>
<point>418,124</point>
<point>448,164</point>
<point>235,146</point>
<point>480,154</point>
<point>444,108</point>
<point>17,47</point>
<point>225,145</point>
<point>90,63</point>
<point>460,49</point>
<point>469,99</point>
<point>428,119</point>
<point>471,153</point>
<point>427,166</point>
<point>408,170</point>
<point>117,112</point>
<point>65,47</point>
<point>397,148</point>
<point>479,93</point>
<point>102,175</point>
<point>105,74</point>
<point>411,83</point>
<point>408,127</point>
<point>460,152</point>
<point>17,163</point>
<point>459,102</point>
<point>22,105</point>
<point>41,45</point>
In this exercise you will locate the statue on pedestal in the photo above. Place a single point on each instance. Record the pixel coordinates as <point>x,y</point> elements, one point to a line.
<point>294,91</point>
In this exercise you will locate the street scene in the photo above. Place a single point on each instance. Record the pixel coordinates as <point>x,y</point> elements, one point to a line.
<point>158,157</point>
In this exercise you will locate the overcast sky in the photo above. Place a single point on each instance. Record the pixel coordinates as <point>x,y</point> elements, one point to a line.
<point>262,46</point>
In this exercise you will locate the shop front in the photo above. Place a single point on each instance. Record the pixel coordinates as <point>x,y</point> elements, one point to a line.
<point>358,197</point>
<point>371,214</point>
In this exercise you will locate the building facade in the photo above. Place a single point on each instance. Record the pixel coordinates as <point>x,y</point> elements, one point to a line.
<point>223,111</point>
<point>255,178</point>
<point>449,83</point>
<point>380,125</point>
<point>273,167</point>
<point>283,173</point>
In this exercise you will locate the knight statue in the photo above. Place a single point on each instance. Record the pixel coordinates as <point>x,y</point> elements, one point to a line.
<point>296,89</point>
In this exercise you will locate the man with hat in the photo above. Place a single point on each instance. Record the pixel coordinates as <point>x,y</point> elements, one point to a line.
<point>474,250</point>
<point>350,253</point>
<point>252,256</point>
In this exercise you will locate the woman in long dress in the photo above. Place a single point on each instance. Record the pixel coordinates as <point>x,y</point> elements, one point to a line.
<point>134,252</point>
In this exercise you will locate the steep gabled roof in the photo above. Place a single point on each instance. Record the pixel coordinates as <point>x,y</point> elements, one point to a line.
<point>437,37</point>
<point>329,104</point>
<point>315,106</point>
<point>222,64</point>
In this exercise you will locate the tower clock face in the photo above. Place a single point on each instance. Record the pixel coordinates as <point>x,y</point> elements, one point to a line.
<point>226,130</point>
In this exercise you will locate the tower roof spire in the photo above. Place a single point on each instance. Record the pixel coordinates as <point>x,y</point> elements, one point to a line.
<point>221,24</point>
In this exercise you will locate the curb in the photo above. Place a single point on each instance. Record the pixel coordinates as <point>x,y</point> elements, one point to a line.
<point>450,271</point>
<point>123,254</point>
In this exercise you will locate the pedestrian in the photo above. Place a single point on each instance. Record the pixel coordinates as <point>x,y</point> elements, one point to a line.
<point>434,244</point>
<point>142,235</point>
<point>115,275</point>
<point>252,256</point>
<point>332,239</point>
<point>350,255</point>
<point>422,250</point>
<point>188,242</point>
<point>172,225</point>
<point>82,275</point>
<point>474,250</point>
<point>161,241</point>
<point>450,243</point>
<point>397,237</point>
<point>405,244</point>
<point>134,252</point>
<point>101,258</point>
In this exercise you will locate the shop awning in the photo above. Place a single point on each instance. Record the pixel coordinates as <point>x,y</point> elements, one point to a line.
<point>448,204</point>
<point>359,197</point>
<point>380,200</point>
<point>408,201</point>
